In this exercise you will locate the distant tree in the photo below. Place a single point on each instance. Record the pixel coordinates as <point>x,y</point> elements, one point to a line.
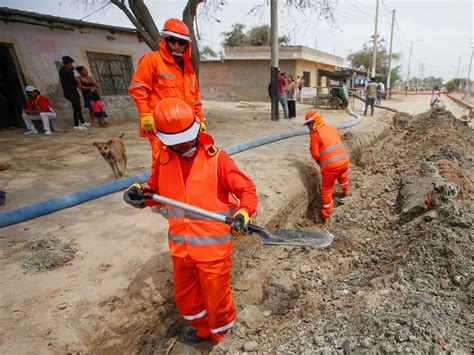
<point>208,53</point>
<point>453,84</point>
<point>433,81</point>
<point>363,59</point>
<point>257,36</point>
<point>236,37</point>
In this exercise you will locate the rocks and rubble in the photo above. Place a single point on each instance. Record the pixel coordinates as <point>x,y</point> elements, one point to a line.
<point>398,277</point>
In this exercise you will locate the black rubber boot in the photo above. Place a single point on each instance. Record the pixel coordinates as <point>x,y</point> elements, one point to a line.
<point>190,336</point>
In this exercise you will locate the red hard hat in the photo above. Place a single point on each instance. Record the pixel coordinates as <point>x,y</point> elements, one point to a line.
<point>175,122</point>
<point>175,28</point>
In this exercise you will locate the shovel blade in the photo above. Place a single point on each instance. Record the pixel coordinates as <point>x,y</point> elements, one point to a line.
<point>294,237</point>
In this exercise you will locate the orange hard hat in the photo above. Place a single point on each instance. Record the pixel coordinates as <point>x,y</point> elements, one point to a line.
<point>175,28</point>
<point>314,116</point>
<point>175,122</point>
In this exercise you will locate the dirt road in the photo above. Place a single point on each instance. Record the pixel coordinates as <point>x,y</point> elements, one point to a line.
<point>114,292</point>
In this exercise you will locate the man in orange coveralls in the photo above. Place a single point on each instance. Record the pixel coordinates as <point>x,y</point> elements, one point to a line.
<point>167,72</point>
<point>191,169</point>
<point>327,149</point>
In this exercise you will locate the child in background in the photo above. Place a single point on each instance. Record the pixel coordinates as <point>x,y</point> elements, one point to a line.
<point>98,107</point>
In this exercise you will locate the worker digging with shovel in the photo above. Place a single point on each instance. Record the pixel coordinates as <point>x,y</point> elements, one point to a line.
<point>327,149</point>
<point>192,170</point>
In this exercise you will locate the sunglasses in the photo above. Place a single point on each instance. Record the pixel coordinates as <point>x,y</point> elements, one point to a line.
<point>181,42</point>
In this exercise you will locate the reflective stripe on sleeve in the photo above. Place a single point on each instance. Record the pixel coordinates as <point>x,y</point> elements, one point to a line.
<point>196,316</point>
<point>202,240</point>
<point>328,149</point>
<point>140,85</point>
<point>176,237</point>
<point>221,329</point>
<point>329,160</point>
<point>166,75</point>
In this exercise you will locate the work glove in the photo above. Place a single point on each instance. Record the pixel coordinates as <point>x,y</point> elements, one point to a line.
<point>203,128</point>
<point>147,123</point>
<point>136,196</point>
<point>240,226</point>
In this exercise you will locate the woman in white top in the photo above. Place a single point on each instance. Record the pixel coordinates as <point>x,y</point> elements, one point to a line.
<point>291,97</point>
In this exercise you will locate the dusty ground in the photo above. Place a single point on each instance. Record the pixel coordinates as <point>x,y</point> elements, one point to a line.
<point>116,293</point>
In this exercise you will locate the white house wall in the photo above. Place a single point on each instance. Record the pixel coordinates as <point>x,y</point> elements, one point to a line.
<point>38,48</point>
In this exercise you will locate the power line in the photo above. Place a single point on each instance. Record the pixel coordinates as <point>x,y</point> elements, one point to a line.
<point>95,11</point>
<point>357,8</point>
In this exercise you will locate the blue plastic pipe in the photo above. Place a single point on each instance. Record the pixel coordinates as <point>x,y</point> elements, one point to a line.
<point>27,212</point>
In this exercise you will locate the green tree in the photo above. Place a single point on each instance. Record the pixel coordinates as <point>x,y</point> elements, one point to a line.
<point>208,53</point>
<point>257,36</point>
<point>236,37</point>
<point>362,59</point>
<point>453,84</point>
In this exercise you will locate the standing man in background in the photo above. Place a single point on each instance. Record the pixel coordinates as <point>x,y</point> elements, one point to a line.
<point>282,94</point>
<point>69,84</point>
<point>380,92</point>
<point>164,73</point>
<point>370,97</point>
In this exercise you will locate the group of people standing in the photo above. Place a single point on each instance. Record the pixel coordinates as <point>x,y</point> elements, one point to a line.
<point>40,108</point>
<point>288,92</point>
<point>89,88</point>
<point>374,95</point>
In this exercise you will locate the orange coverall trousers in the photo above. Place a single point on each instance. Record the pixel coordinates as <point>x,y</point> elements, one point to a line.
<point>203,295</point>
<point>327,184</point>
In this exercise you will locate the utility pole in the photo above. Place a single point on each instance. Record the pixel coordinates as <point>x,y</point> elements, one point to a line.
<point>316,43</point>
<point>274,58</point>
<point>374,54</point>
<point>467,88</point>
<point>408,71</point>
<point>459,67</point>
<point>390,56</point>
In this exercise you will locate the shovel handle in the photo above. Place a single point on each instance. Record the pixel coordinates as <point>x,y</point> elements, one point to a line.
<point>205,213</point>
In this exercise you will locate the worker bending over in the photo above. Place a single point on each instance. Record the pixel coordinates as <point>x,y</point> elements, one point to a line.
<point>166,72</point>
<point>192,170</point>
<point>327,149</point>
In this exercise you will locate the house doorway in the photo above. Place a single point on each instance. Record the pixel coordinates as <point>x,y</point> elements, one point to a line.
<point>12,98</point>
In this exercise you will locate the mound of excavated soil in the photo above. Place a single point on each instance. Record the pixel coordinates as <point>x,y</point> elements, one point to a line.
<point>386,284</point>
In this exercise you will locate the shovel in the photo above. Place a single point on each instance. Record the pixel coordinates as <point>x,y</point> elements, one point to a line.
<point>290,237</point>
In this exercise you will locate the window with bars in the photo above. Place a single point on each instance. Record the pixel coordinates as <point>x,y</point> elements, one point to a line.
<point>112,71</point>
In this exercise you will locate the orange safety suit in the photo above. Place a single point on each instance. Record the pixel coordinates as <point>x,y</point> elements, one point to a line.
<point>158,77</point>
<point>327,149</point>
<point>201,247</point>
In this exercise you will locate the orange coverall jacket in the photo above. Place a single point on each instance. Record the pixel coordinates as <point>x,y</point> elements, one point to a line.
<point>327,149</point>
<point>159,77</point>
<point>231,181</point>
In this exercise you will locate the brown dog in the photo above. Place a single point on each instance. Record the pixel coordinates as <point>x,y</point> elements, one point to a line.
<point>114,153</point>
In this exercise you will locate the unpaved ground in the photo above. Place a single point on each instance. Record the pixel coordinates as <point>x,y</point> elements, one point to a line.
<point>116,294</point>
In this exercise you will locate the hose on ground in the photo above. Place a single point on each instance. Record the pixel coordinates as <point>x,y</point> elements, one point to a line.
<point>27,212</point>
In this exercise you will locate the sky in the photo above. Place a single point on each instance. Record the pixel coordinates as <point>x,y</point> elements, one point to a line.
<point>442,31</point>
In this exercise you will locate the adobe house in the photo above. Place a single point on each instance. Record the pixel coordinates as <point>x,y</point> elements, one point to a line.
<point>244,72</point>
<point>31,47</point>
